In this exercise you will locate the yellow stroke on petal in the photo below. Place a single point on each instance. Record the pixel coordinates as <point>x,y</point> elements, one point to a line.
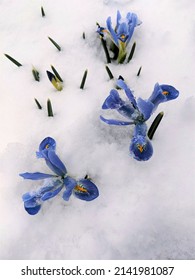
<point>80,189</point>
<point>140,148</point>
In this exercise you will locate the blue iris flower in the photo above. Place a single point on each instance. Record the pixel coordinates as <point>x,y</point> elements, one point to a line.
<point>124,28</point>
<point>83,189</point>
<point>137,113</point>
<point>122,33</point>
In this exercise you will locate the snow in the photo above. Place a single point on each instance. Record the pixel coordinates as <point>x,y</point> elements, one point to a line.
<point>145,210</point>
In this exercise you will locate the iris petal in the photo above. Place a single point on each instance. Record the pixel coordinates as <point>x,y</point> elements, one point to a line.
<point>141,154</point>
<point>53,168</point>
<point>51,194</point>
<point>131,17</point>
<point>32,210</point>
<point>122,32</point>
<point>67,194</point>
<point>145,107</point>
<point>128,111</point>
<point>140,147</point>
<point>36,175</point>
<point>54,159</point>
<point>115,122</point>
<point>172,92</point>
<point>45,189</point>
<point>86,190</point>
<point>127,90</point>
<point>118,18</point>
<point>112,32</point>
<point>31,202</point>
<point>157,97</point>
<point>69,183</point>
<point>140,129</point>
<point>113,101</point>
<point>131,26</point>
<point>47,144</point>
<point>122,29</point>
<point>163,93</point>
<point>28,196</point>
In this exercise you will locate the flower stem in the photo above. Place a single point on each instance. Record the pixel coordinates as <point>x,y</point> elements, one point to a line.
<point>122,53</point>
<point>154,125</point>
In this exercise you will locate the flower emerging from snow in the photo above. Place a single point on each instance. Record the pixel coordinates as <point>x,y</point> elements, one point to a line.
<point>137,113</point>
<point>83,189</point>
<point>121,34</point>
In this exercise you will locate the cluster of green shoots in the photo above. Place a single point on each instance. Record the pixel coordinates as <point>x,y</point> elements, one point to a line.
<point>54,76</point>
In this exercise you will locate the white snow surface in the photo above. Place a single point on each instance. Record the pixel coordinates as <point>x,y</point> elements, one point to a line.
<point>146,210</point>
